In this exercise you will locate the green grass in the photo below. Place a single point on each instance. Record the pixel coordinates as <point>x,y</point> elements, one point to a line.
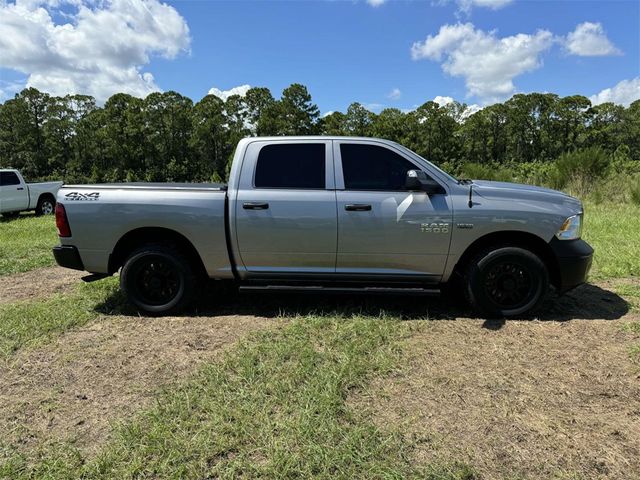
<point>274,407</point>
<point>26,242</point>
<point>614,232</point>
<point>631,293</point>
<point>34,322</point>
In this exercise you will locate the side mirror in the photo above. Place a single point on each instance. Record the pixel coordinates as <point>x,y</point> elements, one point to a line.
<point>418,181</point>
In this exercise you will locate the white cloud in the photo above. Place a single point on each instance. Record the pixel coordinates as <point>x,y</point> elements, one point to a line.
<point>224,94</point>
<point>442,101</point>
<point>467,5</point>
<point>394,94</point>
<point>590,40</point>
<point>487,63</point>
<point>100,51</point>
<point>470,110</point>
<point>374,107</point>
<point>494,4</point>
<point>624,93</point>
<point>376,3</point>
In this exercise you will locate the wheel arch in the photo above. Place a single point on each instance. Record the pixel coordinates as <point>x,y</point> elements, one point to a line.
<point>46,195</point>
<point>512,238</point>
<point>148,235</point>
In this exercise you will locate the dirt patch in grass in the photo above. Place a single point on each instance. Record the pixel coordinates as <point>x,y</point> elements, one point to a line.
<point>75,388</point>
<point>39,283</point>
<point>521,399</point>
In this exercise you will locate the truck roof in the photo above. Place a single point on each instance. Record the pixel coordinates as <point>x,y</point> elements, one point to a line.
<point>317,137</point>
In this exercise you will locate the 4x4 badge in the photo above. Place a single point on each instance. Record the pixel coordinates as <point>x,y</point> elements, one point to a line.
<point>77,196</point>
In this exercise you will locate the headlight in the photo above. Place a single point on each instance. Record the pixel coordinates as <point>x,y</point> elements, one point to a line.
<point>571,229</point>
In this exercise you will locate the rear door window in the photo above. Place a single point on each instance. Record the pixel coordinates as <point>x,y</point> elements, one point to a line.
<point>291,165</point>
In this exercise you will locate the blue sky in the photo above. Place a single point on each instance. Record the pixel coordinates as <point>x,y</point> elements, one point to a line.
<point>343,51</point>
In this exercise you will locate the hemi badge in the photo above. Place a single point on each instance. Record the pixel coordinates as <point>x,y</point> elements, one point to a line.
<point>464,225</point>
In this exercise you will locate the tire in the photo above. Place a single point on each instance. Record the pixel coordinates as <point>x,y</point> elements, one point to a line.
<point>46,205</point>
<point>506,282</point>
<point>158,279</point>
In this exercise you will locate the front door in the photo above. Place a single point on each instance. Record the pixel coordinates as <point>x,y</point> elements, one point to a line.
<point>13,193</point>
<point>285,209</point>
<point>383,229</point>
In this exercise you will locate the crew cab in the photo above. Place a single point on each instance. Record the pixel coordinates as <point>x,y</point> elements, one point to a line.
<point>16,195</point>
<point>325,213</point>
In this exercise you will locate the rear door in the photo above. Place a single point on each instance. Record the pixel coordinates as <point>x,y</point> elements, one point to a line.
<point>13,193</point>
<point>285,210</point>
<point>383,229</point>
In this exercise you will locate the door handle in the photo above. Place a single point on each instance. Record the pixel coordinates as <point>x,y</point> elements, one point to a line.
<point>255,206</point>
<point>20,188</point>
<point>357,207</point>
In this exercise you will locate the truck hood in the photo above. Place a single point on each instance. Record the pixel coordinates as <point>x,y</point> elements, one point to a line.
<point>521,192</point>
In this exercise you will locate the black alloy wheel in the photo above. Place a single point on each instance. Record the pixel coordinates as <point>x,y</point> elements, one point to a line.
<point>158,279</point>
<point>506,282</point>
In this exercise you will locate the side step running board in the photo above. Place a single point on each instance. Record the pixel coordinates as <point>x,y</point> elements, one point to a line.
<point>323,289</point>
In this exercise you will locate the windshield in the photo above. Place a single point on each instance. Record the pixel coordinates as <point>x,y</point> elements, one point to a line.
<point>416,156</point>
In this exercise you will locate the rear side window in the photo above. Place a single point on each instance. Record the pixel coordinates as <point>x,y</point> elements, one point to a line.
<point>291,165</point>
<point>370,167</point>
<point>9,178</point>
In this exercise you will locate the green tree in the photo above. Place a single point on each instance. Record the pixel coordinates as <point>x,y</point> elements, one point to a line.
<point>390,124</point>
<point>209,138</point>
<point>22,140</point>
<point>571,120</point>
<point>167,133</point>
<point>334,124</point>
<point>261,111</point>
<point>358,121</point>
<point>433,132</point>
<point>298,114</point>
<point>629,132</point>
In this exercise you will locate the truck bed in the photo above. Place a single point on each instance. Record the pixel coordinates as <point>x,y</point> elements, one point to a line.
<point>101,215</point>
<point>152,186</point>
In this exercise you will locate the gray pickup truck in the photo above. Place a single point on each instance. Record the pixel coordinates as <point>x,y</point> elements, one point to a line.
<point>327,213</point>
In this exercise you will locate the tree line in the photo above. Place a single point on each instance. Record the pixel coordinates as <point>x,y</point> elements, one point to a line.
<point>168,137</point>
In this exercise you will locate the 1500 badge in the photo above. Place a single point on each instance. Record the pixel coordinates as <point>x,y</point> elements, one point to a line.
<point>77,196</point>
<point>434,227</point>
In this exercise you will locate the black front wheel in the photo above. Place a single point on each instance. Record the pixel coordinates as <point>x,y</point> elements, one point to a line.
<point>506,282</point>
<point>158,279</point>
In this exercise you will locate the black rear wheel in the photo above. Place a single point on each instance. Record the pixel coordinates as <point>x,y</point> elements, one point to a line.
<point>506,282</point>
<point>158,279</point>
<point>46,205</point>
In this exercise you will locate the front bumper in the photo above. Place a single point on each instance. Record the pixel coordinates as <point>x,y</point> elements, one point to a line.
<point>574,261</point>
<point>67,256</point>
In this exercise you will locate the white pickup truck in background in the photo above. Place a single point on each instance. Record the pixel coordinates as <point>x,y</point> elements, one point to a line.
<point>16,195</point>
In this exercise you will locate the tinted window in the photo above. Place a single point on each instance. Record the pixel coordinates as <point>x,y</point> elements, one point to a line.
<point>369,167</point>
<point>291,165</point>
<point>9,178</point>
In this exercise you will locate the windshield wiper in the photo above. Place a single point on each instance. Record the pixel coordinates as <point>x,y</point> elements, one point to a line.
<point>465,181</point>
